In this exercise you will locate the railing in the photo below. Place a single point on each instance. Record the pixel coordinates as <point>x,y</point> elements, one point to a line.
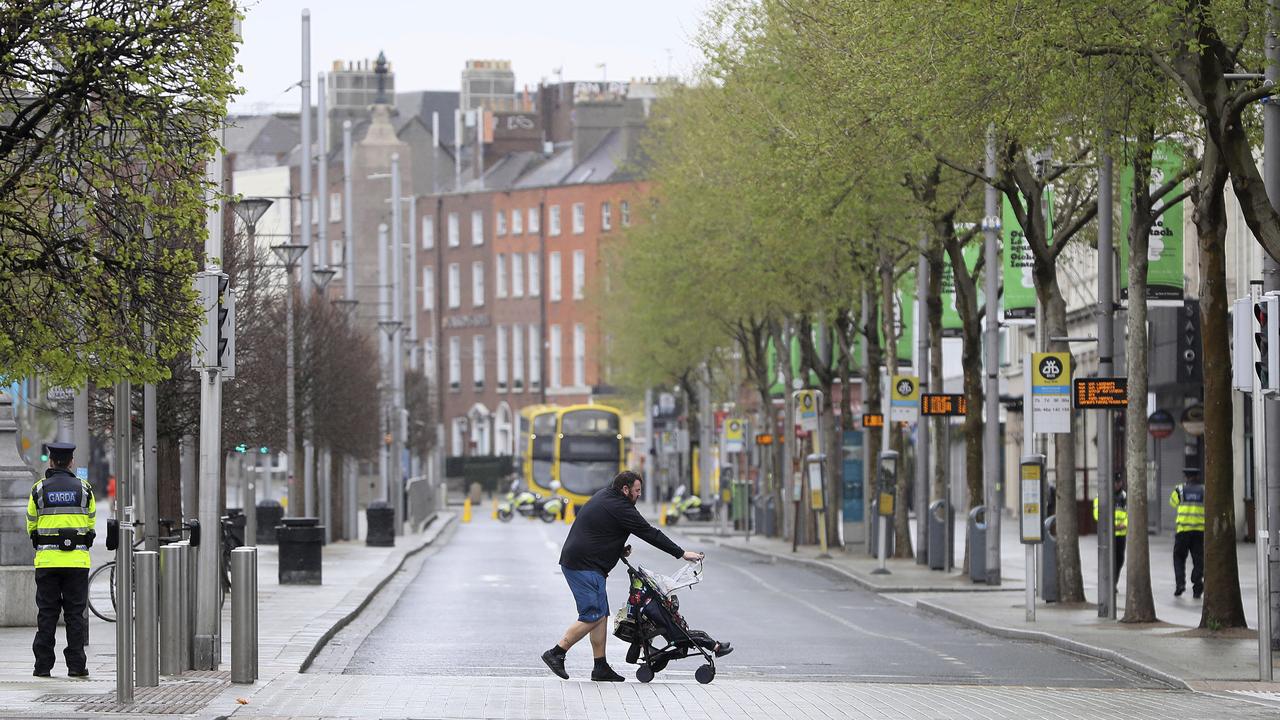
<point>423,502</point>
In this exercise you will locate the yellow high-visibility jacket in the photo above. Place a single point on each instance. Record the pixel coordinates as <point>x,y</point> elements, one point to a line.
<point>60,518</point>
<point>1188,500</point>
<point>1120,524</point>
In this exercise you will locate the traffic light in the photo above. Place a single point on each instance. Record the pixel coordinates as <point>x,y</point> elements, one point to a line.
<point>44,453</point>
<point>242,448</point>
<point>226,328</point>
<point>262,450</point>
<point>1266,335</point>
<point>215,346</point>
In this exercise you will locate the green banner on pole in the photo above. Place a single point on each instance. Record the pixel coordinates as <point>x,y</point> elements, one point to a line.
<point>904,316</point>
<point>1165,277</point>
<point>1019,281</point>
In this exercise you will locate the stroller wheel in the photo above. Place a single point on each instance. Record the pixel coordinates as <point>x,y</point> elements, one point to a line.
<point>705,674</point>
<point>644,674</point>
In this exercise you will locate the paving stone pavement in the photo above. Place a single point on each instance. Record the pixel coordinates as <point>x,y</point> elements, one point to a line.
<point>338,697</point>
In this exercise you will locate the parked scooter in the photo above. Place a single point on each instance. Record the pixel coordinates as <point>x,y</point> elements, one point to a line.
<point>528,504</point>
<point>689,507</point>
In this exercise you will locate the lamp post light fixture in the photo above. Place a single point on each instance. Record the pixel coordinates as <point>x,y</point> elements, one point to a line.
<point>321,277</point>
<point>347,306</point>
<point>250,210</point>
<point>289,254</point>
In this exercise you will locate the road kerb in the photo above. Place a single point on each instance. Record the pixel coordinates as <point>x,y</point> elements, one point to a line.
<point>1056,641</point>
<point>859,581</point>
<point>355,612</point>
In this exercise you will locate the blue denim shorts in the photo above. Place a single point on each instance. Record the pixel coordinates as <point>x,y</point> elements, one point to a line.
<point>588,588</point>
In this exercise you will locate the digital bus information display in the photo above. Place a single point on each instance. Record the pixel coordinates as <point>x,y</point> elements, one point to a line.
<point>1100,393</point>
<point>939,404</point>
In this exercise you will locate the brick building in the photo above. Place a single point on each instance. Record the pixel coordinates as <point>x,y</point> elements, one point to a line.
<point>516,266</point>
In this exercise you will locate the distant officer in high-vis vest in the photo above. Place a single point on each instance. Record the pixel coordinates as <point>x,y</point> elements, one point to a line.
<point>1188,500</point>
<point>60,521</point>
<point>1120,527</point>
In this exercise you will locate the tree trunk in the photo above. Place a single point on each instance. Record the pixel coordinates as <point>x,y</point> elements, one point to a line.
<point>782,341</point>
<point>872,400</point>
<point>1139,604</point>
<point>1054,324</point>
<point>169,478</point>
<point>971,362</point>
<point>1222,604</point>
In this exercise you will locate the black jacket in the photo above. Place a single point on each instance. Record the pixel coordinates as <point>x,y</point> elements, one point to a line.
<point>600,531</point>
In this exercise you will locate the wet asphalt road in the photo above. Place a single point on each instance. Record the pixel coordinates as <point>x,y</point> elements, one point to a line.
<point>493,599</point>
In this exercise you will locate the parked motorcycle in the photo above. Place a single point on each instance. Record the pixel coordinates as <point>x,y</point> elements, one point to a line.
<point>689,507</point>
<point>529,504</point>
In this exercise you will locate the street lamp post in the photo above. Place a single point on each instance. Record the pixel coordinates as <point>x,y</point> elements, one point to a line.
<point>289,254</point>
<point>250,211</point>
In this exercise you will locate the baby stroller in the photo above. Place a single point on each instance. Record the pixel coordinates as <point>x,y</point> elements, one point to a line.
<point>653,611</point>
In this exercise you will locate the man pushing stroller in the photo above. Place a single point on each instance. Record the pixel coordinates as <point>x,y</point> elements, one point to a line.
<point>597,539</point>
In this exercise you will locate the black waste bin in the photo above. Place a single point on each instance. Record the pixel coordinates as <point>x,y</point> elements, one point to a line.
<point>978,544</point>
<point>301,545</point>
<point>381,519</point>
<point>1049,564</point>
<point>270,513</point>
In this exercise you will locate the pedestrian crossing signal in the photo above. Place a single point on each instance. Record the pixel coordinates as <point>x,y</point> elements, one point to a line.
<point>1266,335</point>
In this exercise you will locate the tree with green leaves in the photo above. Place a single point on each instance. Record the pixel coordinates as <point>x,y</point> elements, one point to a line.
<point>107,117</point>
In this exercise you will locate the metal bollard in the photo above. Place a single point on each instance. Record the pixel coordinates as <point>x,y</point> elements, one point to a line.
<point>253,578</point>
<point>189,636</point>
<point>124,612</point>
<point>171,609</point>
<point>145,623</point>
<point>244,608</point>
<point>185,603</point>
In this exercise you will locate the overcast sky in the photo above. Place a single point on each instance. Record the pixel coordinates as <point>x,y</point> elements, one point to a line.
<point>428,41</point>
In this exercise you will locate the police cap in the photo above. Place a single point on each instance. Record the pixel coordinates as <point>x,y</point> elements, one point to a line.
<point>60,450</point>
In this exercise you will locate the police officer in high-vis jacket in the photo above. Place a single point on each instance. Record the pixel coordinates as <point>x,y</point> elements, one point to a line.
<point>1188,500</point>
<point>1119,528</point>
<point>60,520</point>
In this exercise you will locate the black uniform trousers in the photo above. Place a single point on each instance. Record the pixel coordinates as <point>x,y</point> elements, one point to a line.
<point>1118,543</point>
<point>62,591</point>
<point>1192,542</point>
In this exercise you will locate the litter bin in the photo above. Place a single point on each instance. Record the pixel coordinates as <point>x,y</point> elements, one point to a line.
<point>270,513</point>
<point>978,544</point>
<point>381,519</point>
<point>940,519</point>
<point>1049,563</point>
<point>301,545</point>
<point>766,505</point>
<point>874,545</point>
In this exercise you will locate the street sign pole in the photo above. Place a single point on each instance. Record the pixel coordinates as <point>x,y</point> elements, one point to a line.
<point>991,428</point>
<point>1028,444</point>
<point>1106,346</point>
<point>1262,526</point>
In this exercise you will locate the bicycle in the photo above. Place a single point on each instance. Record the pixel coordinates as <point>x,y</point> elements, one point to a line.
<point>102,581</point>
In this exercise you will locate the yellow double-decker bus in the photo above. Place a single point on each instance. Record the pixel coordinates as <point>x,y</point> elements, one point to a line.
<point>589,449</point>
<point>538,440</point>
